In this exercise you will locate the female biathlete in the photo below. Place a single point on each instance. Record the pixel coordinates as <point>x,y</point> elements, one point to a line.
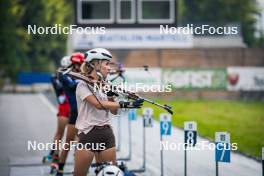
<point>63,113</point>
<point>69,87</point>
<point>93,123</point>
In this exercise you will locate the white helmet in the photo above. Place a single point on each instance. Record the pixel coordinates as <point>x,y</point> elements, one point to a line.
<point>97,53</point>
<point>65,61</point>
<point>111,170</point>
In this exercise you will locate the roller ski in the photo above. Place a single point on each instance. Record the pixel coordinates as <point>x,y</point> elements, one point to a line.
<point>54,166</point>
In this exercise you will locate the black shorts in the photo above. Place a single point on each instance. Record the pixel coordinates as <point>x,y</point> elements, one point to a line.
<point>100,138</point>
<point>73,116</point>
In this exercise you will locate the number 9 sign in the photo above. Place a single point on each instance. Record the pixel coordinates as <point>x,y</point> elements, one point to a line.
<point>165,124</point>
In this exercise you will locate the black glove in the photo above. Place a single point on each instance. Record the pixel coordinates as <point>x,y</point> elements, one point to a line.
<point>135,104</point>
<point>110,94</point>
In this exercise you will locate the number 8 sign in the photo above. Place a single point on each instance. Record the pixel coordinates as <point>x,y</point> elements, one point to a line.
<point>165,124</point>
<point>190,133</point>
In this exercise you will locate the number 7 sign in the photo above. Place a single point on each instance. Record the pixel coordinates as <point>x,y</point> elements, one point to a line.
<point>222,147</point>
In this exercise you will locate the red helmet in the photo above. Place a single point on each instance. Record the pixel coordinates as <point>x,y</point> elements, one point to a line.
<point>77,58</point>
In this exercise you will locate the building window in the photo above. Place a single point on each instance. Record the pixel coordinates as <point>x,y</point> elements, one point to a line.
<point>156,11</point>
<point>95,11</point>
<point>126,11</point>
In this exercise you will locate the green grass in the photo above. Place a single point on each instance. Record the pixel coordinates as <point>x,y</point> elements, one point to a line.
<point>243,120</point>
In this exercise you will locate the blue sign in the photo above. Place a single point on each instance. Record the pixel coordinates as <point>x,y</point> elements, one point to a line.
<point>132,114</point>
<point>222,152</point>
<point>165,128</point>
<point>165,124</point>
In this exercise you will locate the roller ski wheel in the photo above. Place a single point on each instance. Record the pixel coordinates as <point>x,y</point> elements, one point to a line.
<point>54,168</point>
<point>46,159</point>
<point>59,173</point>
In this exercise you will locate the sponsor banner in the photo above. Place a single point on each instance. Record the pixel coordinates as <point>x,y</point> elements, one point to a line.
<point>140,80</point>
<point>245,78</point>
<point>195,78</point>
<point>124,38</point>
<point>134,76</point>
<point>232,78</point>
<point>139,75</point>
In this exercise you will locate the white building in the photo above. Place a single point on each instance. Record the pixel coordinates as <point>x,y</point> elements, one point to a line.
<point>131,24</point>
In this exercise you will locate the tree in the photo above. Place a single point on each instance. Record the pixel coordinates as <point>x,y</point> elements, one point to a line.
<point>21,51</point>
<point>9,65</point>
<point>225,11</point>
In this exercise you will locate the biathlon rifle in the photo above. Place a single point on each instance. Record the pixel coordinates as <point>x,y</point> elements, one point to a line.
<point>116,89</point>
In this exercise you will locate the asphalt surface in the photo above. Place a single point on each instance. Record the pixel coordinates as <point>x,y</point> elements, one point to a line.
<point>32,117</point>
<point>23,117</point>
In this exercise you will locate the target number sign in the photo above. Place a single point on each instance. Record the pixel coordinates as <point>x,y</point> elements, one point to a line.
<point>222,147</point>
<point>165,124</point>
<point>148,117</point>
<point>132,114</point>
<point>263,154</point>
<point>190,133</point>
